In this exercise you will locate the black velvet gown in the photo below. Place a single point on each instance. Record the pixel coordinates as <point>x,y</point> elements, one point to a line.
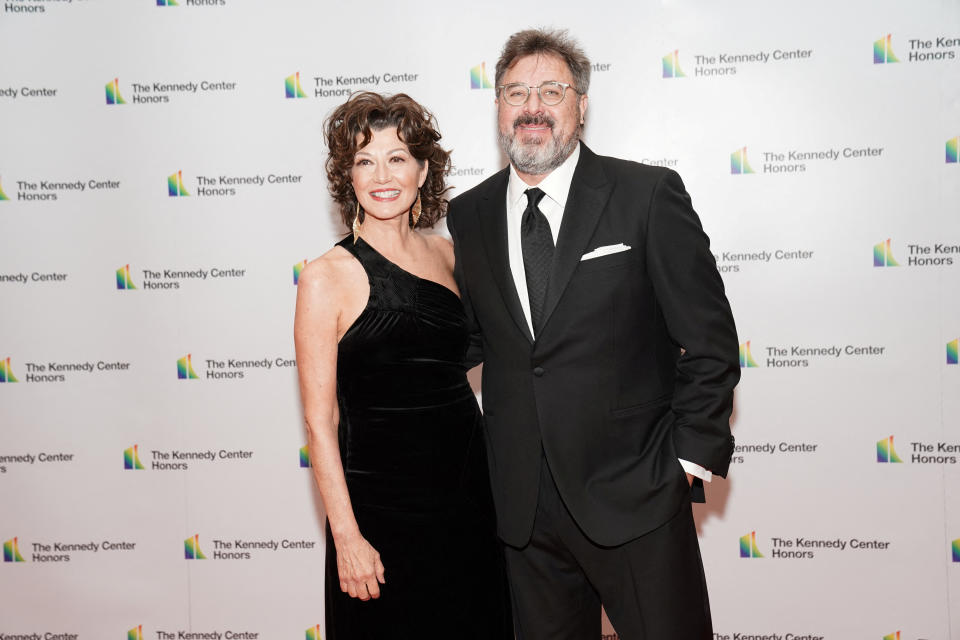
<point>414,457</point>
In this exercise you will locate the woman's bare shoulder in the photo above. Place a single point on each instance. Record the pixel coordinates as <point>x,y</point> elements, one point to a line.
<point>330,273</point>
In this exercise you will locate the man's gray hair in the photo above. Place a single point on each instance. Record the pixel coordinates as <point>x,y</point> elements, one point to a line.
<point>557,42</point>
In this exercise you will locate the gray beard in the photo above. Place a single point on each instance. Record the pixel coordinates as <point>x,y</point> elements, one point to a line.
<point>537,159</point>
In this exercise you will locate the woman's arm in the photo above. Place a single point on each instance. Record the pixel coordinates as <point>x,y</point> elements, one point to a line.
<point>320,301</point>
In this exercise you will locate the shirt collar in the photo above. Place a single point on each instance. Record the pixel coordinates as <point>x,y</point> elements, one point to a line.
<point>556,185</point>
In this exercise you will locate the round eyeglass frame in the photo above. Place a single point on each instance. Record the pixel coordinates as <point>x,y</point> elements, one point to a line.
<point>549,102</point>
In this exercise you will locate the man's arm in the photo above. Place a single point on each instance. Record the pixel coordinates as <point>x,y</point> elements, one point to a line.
<point>698,317</point>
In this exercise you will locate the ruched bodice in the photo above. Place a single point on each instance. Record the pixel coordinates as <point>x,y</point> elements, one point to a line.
<point>403,392</point>
<point>413,452</point>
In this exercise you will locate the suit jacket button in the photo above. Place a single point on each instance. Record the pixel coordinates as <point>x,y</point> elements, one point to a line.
<point>538,371</point>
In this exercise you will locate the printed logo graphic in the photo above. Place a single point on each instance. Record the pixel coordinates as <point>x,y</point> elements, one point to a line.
<point>952,158</point>
<point>124,282</point>
<point>886,452</point>
<point>113,92</point>
<point>952,351</point>
<point>746,358</point>
<point>292,86</point>
<point>748,546</point>
<point>304,456</point>
<point>3,196</point>
<point>131,459</point>
<point>895,635</point>
<point>175,185</point>
<point>671,65</point>
<point>313,633</point>
<point>883,256</point>
<point>191,548</point>
<point>478,77</point>
<point>11,551</point>
<point>167,3</point>
<point>955,547</point>
<point>137,632</point>
<point>738,162</point>
<point>883,52</point>
<point>297,269</point>
<point>6,372</point>
<point>185,369</point>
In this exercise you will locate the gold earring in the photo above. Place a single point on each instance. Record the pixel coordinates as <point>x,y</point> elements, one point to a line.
<point>416,210</point>
<point>356,224</point>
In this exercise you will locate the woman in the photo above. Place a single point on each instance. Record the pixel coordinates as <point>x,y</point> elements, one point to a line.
<point>394,430</point>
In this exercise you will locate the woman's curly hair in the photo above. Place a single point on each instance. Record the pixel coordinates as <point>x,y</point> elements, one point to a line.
<point>350,128</point>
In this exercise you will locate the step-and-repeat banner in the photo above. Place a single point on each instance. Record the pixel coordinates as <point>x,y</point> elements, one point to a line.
<point>161,186</point>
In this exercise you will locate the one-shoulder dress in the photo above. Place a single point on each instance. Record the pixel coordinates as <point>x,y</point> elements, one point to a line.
<point>413,451</point>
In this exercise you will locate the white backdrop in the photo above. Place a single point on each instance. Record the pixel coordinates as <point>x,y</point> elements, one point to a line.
<point>847,145</point>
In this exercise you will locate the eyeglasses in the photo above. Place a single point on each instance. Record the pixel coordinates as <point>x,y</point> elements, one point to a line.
<point>551,93</point>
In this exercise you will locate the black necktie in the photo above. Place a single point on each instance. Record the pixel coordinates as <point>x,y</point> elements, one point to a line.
<point>537,244</point>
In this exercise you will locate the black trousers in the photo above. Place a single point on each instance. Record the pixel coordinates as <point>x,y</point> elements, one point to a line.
<point>651,587</point>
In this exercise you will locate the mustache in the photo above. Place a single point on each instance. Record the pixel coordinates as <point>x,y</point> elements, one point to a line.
<point>534,119</point>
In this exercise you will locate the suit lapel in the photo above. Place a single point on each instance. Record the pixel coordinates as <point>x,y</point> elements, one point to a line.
<point>589,192</point>
<point>492,220</point>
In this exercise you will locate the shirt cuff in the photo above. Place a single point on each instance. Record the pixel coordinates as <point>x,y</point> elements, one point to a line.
<point>694,469</point>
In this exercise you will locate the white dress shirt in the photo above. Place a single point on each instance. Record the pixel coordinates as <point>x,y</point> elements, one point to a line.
<point>556,187</point>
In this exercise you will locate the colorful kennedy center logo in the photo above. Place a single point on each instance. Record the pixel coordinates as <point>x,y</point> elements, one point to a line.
<point>952,158</point>
<point>11,551</point>
<point>185,368</point>
<point>738,162</point>
<point>952,348</point>
<point>191,548</point>
<point>886,452</point>
<point>124,281</point>
<point>883,255</point>
<point>175,186</point>
<point>748,546</point>
<point>113,92</point>
<point>3,196</point>
<point>297,270</point>
<point>883,51</point>
<point>313,633</point>
<point>305,456</point>
<point>131,459</point>
<point>292,86</point>
<point>6,372</point>
<point>137,632</point>
<point>671,65</point>
<point>746,358</point>
<point>478,77</point>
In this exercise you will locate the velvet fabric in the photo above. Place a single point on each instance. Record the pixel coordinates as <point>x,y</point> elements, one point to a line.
<point>414,456</point>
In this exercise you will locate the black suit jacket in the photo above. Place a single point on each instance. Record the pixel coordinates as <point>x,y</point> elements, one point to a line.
<point>635,364</point>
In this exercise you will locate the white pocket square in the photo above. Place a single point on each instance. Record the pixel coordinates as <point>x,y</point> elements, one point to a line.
<point>605,251</point>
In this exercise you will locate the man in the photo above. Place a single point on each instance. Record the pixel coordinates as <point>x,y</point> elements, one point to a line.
<point>610,358</point>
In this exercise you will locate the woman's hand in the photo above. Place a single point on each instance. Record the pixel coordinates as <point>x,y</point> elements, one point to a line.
<point>360,569</point>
